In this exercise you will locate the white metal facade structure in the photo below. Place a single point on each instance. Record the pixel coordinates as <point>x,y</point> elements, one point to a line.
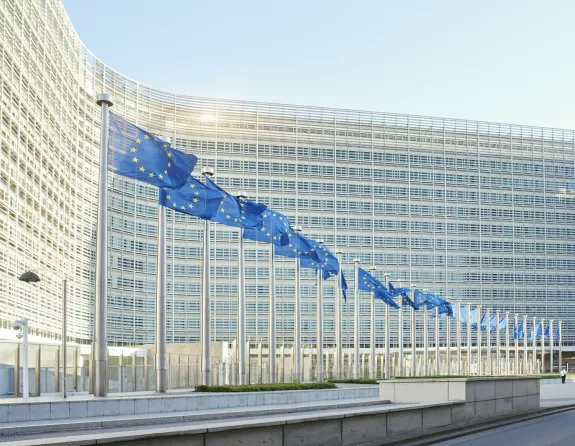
<point>482,212</point>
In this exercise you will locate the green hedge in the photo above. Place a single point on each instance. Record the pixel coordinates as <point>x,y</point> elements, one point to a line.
<point>266,387</point>
<point>353,381</point>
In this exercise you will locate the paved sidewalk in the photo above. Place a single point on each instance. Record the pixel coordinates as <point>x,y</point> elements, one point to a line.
<point>557,394</point>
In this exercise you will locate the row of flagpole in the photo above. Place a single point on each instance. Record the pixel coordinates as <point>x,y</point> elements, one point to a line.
<point>100,335</point>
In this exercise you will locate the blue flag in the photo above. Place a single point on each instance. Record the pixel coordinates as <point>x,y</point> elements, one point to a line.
<point>367,282</point>
<point>539,330</point>
<point>194,199</point>
<point>298,247</point>
<point>327,264</point>
<point>502,323</point>
<point>275,229</point>
<point>463,315</point>
<point>556,334</point>
<point>406,300</point>
<point>239,213</point>
<point>137,154</point>
<point>519,331</point>
<point>547,332</point>
<point>343,286</point>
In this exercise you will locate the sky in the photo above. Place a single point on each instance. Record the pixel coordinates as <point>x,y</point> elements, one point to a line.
<point>509,61</point>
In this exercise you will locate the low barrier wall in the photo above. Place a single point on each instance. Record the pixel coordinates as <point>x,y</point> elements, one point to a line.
<point>35,410</point>
<point>484,397</point>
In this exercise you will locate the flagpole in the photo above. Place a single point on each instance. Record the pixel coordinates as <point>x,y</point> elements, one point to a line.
<point>448,342</point>
<point>437,361</point>
<point>551,346</point>
<point>319,326</point>
<point>387,336</point>
<point>372,364</point>
<point>205,310</point>
<point>458,329</point>
<point>100,344</point>
<point>338,305</point>
<point>297,320</point>
<point>525,344</point>
<point>400,333</point>
<point>534,347</point>
<point>161,348</point>
<point>469,340</point>
<point>542,345</point>
<point>425,339</point>
<point>497,343</point>
<point>479,341</point>
<point>241,303</point>
<point>413,337</point>
<point>356,372</point>
<point>488,340</point>
<point>507,351</point>
<point>560,342</point>
<point>516,339</point>
<point>272,317</point>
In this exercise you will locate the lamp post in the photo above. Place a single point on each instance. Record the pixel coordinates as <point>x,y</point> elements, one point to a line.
<point>17,325</point>
<point>32,277</point>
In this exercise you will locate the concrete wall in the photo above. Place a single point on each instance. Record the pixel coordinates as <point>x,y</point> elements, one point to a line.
<point>357,426</point>
<point>483,397</point>
<point>155,404</point>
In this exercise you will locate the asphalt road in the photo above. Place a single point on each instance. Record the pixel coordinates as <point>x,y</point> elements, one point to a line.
<point>553,430</point>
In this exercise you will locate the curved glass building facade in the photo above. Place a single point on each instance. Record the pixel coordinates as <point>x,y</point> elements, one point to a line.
<point>478,211</point>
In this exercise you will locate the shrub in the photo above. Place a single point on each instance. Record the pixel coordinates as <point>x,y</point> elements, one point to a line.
<point>353,381</point>
<point>266,387</point>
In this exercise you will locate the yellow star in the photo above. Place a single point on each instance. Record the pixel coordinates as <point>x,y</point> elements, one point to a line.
<point>165,172</point>
<point>133,150</point>
<point>135,159</point>
<point>196,193</point>
<point>268,234</point>
<point>182,207</point>
<point>175,205</point>
<point>169,153</point>
<point>195,200</point>
<point>146,136</point>
<point>263,229</point>
<point>138,140</point>
<point>193,186</point>
<point>169,197</point>
<point>142,169</point>
<point>190,206</point>
<point>165,146</point>
<point>160,176</point>
<point>152,175</point>
<point>228,217</point>
<point>222,210</point>
<point>169,164</point>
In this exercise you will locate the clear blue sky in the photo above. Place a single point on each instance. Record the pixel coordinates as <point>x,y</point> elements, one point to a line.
<point>494,60</point>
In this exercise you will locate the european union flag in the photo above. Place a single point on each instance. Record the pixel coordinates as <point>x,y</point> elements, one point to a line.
<point>519,331</point>
<point>502,323</point>
<point>556,334</point>
<point>239,213</point>
<point>366,282</point>
<point>343,284</point>
<point>539,330</point>
<point>406,300</point>
<point>298,247</point>
<point>275,229</point>
<point>547,332</point>
<point>194,198</point>
<point>327,264</point>
<point>473,318</point>
<point>137,154</point>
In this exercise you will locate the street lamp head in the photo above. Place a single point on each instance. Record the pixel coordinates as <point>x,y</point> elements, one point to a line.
<point>208,171</point>
<point>298,228</point>
<point>29,277</point>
